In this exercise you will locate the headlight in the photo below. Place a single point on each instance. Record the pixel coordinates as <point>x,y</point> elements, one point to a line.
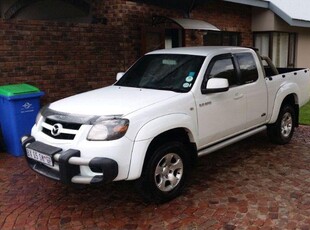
<point>39,115</point>
<point>108,129</point>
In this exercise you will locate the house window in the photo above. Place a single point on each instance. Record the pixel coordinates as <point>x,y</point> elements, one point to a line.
<point>213,38</point>
<point>279,46</point>
<point>173,38</point>
<point>262,43</point>
<point>291,49</point>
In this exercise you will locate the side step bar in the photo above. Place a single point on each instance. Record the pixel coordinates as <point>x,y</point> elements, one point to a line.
<point>230,141</point>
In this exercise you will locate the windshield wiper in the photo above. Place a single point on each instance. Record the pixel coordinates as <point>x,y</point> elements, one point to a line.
<point>165,88</point>
<point>172,89</point>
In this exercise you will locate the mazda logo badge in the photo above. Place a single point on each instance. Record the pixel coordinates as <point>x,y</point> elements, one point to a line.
<point>56,130</point>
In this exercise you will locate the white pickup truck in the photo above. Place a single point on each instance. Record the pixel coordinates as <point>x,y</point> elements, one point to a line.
<point>171,107</point>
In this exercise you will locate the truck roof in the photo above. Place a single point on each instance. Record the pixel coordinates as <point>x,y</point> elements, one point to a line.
<point>201,50</point>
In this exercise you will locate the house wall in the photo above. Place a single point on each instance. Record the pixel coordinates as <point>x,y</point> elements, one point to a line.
<point>65,58</point>
<point>262,20</point>
<point>303,49</point>
<point>59,58</point>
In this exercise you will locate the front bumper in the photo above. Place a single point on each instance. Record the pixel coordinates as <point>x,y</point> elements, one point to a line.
<point>69,163</point>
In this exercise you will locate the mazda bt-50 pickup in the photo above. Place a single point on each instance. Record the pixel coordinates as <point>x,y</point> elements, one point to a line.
<point>170,108</point>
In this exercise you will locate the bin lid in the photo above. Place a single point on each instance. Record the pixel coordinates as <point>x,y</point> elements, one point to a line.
<point>17,89</point>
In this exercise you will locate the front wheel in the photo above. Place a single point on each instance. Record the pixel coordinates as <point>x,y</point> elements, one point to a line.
<point>165,172</point>
<point>282,131</point>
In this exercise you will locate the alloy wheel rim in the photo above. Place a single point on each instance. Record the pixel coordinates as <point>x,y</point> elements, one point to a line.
<point>286,125</point>
<point>168,172</point>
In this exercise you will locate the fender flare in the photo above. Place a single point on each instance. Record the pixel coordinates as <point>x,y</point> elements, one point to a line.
<point>283,92</point>
<point>151,130</point>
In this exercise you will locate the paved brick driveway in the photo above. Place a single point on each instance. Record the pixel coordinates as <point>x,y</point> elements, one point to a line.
<point>250,185</point>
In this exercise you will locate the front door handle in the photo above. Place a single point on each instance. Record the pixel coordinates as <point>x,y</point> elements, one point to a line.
<point>238,96</point>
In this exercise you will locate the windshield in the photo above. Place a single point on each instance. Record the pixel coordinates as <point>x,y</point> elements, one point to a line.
<point>173,72</point>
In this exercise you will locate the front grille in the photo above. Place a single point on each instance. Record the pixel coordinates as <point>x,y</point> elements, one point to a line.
<point>62,136</point>
<point>65,125</point>
<point>67,132</point>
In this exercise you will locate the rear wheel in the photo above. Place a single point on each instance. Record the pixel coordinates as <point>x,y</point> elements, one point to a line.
<point>165,172</point>
<point>282,131</point>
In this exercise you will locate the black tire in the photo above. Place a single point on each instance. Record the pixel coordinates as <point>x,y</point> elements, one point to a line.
<point>165,173</point>
<point>282,131</point>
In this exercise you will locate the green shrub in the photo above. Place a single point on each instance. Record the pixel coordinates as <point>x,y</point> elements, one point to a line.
<point>304,117</point>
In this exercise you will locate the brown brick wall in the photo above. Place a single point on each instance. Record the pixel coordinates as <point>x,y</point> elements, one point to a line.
<point>227,17</point>
<point>60,58</point>
<point>132,17</point>
<point>63,59</point>
<point>234,17</point>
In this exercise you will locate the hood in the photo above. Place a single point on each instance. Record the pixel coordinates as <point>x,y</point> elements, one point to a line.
<point>112,100</point>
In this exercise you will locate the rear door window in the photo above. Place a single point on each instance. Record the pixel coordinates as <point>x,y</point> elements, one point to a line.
<point>248,68</point>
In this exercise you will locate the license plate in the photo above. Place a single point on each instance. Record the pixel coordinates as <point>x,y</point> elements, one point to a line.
<point>35,155</point>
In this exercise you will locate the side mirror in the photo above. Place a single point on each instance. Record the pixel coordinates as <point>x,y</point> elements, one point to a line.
<point>216,85</point>
<point>119,75</point>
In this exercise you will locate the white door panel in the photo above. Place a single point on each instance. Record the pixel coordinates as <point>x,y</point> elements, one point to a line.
<point>220,115</point>
<point>242,107</point>
<point>256,104</point>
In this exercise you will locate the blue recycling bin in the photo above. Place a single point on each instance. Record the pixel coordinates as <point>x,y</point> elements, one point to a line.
<point>19,105</point>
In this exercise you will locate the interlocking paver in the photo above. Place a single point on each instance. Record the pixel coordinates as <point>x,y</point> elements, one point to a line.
<point>250,185</point>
